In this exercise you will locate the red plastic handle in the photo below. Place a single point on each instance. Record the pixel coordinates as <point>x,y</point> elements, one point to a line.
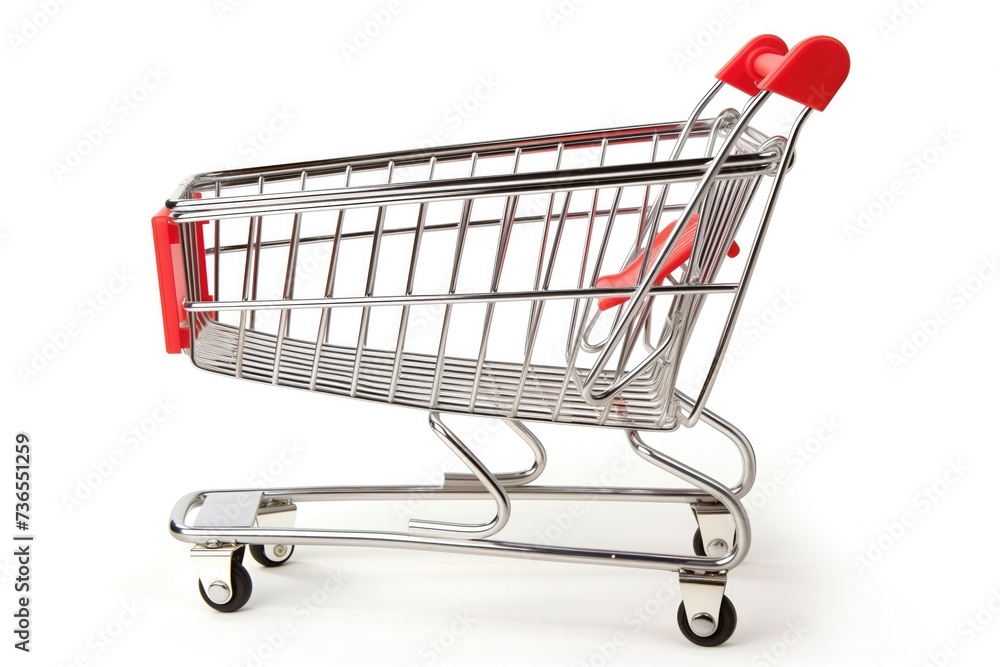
<point>810,73</point>
<point>629,277</point>
<point>170,271</point>
<point>739,71</point>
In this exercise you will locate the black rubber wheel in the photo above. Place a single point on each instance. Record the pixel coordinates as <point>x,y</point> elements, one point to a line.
<point>257,551</point>
<point>723,630</point>
<point>699,546</point>
<point>242,589</point>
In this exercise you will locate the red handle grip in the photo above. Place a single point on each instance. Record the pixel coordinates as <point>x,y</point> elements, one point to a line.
<point>170,271</point>
<point>810,73</point>
<point>739,72</point>
<point>629,276</point>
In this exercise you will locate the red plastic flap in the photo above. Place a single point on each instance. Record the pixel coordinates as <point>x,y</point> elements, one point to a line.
<point>170,272</point>
<point>739,72</point>
<point>810,74</point>
<point>629,277</point>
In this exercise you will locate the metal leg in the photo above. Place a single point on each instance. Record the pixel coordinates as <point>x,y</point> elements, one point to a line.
<point>747,457</point>
<point>427,528</point>
<point>706,616</point>
<point>741,541</point>
<point>525,476</point>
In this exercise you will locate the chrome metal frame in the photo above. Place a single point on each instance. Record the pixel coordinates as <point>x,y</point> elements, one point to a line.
<point>721,517</point>
<point>627,381</point>
<point>706,495</point>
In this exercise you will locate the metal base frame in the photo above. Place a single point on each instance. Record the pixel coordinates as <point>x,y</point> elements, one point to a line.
<point>227,520</point>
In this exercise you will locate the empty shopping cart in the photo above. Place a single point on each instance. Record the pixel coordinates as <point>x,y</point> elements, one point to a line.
<point>562,279</point>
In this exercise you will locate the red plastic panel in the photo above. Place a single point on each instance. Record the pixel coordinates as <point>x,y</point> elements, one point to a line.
<point>629,277</point>
<point>170,272</point>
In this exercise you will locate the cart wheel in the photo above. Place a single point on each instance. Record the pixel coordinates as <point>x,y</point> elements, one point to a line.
<point>242,588</point>
<point>281,553</point>
<point>699,546</point>
<point>723,629</point>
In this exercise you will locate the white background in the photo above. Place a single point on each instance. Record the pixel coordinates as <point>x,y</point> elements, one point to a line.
<point>831,555</point>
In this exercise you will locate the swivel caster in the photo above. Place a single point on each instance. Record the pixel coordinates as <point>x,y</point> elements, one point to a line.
<point>274,514</point>
<point>223,582</point>
<point>703,630</point>
<point>271,555</point>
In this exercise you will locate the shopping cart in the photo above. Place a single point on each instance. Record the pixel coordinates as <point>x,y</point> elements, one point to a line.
<point>549,279</point>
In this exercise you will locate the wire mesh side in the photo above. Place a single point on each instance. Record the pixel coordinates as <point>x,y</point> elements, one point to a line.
<point>519,358</point>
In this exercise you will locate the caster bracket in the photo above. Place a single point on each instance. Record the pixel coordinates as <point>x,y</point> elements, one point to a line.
<point>274,514</point>
<point>214,565</point>
<point>718,529</point>
<point>702,594</point>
